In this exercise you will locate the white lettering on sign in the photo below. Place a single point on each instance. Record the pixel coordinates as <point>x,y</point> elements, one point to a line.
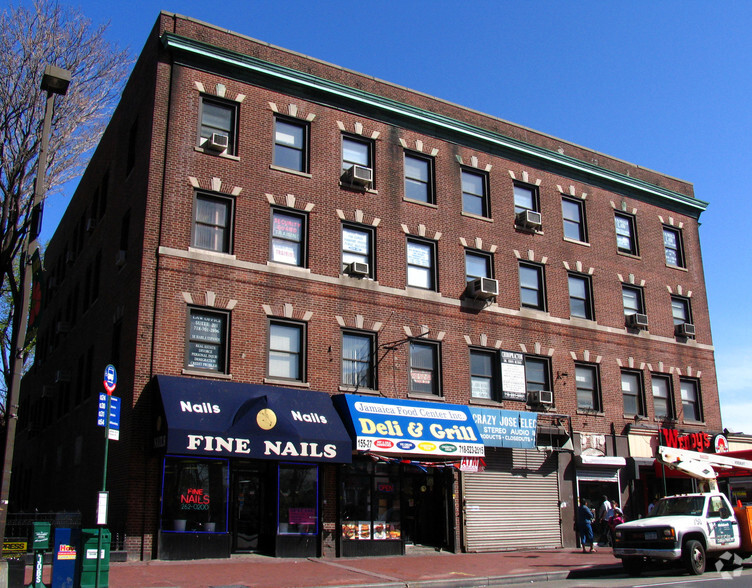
<point>302,449</point>
<point>218,444</point>
<point>310,417</point>
<point>202,408</point>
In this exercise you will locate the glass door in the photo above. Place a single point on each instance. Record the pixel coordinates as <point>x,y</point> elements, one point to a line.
<point>248,504</point>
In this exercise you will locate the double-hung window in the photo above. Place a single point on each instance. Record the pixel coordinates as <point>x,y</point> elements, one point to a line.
<point>287,348</point>
<point>425,373</point>
<point>680,310</point>
<point>217,128</point>
<point>581,296</point>
<point>212,222</point>
<point>421,264</point>
<point>532,286</point>
<point>537,373</point>
<point>573,216</point>
<point>419,178</point>
<point>673,247</point>
<point>632,300</point>
<point>358,350</point>
<point>632,393</point>
<point>690,395</point>
<point>484,377</point>
<point>663,405</point>
<point>588,387</point>
<point>357,247</point>
<point>626,233</point>
<point>475,193</point>
<point>356,151</point>
<point>526,198</point>
<point>289,237</point>
<point>291,144</point>
<point>478,265</point>
<point>207,340</point>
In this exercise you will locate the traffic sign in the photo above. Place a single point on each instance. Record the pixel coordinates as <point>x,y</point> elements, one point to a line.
<point>114,416</point>
<point>110,378</point>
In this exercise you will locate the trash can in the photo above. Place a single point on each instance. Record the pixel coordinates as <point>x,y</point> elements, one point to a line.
<point>88,558</point>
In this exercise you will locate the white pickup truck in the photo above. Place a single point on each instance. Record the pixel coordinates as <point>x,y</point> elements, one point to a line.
<point>692,528</point>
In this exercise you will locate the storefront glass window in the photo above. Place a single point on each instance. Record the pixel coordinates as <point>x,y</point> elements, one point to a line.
<point>371,502</point>
<point>195,495</point>
<point>298,499</point>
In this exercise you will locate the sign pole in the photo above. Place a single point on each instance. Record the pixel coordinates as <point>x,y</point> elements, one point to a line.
<point>110,381</point>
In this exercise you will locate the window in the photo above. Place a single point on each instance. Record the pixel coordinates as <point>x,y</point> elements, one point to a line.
<point>287,350</point>
<point>663,405</point>
<point>207,340</point>
<point>572,213</point>
<point>580,296</point>
<point>532,291</point>
<point>537,373</point>
<point>632,299</point>
<point>626,235</point>
<point>478,265</point>
<point>525,198</point>
<point>680,310</point>
<point>631,392</point>
<point>672,245</point>
<point>419,178</point>
<point>588,389</point>
<point>358,360</point>
<point>289,238</point>
<point>690,396</point>
<point>212,223</point>
<point>483,374</point>
<point>475,193</point>
<point>217,117</point>
<point>298,499</point>
<point>357,246</point>
<point>421,265</point>
<point>291,144</point>
<point>196,483</point>
<point>356,152</point>
<point>424,368</point>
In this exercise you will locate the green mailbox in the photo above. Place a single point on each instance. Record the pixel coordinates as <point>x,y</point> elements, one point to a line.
<point>41,536</point>
<point>88,555</point>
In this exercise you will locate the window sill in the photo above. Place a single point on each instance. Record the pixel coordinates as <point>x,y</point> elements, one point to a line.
<point>577,242</point>
<point>423,396</point>
<point>522,229</point>
<point>477,216</point>
<point>355,188</point>
<point>420,202</point>
<point>219,254</point>
<point>677,267</point>
<point>690,422</point>
<point>190,372</point>
<point>294,172</point>
<point>288,383</point>
<point>354,390</point>
<point>665,419</point>
<point>288,266</point>
<point>592,412</point>
<point>628,254</point>
<point>222,155</point>
<point>635,417</point>
<point>486,402</point>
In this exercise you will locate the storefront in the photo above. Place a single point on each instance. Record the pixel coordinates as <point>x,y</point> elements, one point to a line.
<point>514,503</point>
<point>599,469</point>
<point>401,488</point>
<point>244,467</point>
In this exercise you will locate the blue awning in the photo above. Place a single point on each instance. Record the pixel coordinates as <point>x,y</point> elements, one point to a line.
<point>229,419</point>
<point>410,427</point>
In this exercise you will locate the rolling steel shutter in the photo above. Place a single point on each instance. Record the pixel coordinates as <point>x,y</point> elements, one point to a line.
<point>514,504</point>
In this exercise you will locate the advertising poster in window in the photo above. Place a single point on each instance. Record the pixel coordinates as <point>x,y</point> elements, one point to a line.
<point>205,357</point>
<point>287,227</point>
<point>513,376</point>
<point>419,255</point>
<point>355,241</point>
<point>206,328</point>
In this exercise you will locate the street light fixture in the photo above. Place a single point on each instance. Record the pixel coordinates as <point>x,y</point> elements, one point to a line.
<point>54,81</point>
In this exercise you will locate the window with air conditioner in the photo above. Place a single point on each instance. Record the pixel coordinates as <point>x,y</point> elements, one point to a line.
<point>217,125</point>
<point>634,307</point>
<point>358,250</point>
<point>681,312</point>
<point>479,275</point>
<point>538,377</point>
<point>357,162</point>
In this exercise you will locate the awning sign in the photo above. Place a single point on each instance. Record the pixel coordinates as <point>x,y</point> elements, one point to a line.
<point>506,428</point>
<point>408,427</point>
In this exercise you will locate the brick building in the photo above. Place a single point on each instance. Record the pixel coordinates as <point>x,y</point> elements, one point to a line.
<point>301,273</point>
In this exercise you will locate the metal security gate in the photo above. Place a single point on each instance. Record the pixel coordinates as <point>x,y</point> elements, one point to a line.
<point>514,504</point>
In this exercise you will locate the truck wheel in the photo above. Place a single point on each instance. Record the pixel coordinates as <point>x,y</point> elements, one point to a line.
<point>632,565</point>
<point>694,557</point>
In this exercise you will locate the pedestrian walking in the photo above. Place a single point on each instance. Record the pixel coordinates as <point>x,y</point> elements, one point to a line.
<point>585,518</point>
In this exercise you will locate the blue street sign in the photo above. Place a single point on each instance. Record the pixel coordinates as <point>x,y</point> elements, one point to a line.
<point>114,416</point>
<point>110,378</point>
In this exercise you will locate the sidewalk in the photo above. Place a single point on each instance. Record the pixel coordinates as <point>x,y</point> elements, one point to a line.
<point>424,569</point>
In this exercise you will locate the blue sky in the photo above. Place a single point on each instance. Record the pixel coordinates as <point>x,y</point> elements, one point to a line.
<point>662,84</point>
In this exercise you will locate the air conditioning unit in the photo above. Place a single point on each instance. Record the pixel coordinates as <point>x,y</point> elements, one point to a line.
<point>358,175</point>
<point>637,321</point>
<point>120,257</point>
<point>483,288</point>
<point>62,327</point>
<point>357,268</point>
<point>540,397</point>
<point>685,330</point>
<point>62,376</point>
<point>529,219</point>
<point>217,142</point>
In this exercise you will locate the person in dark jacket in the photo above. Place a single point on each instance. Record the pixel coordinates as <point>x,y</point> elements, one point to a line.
<point>585,518</point>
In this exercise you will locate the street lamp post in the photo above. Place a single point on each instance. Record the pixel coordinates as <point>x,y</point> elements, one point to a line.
<point>54,81</point>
